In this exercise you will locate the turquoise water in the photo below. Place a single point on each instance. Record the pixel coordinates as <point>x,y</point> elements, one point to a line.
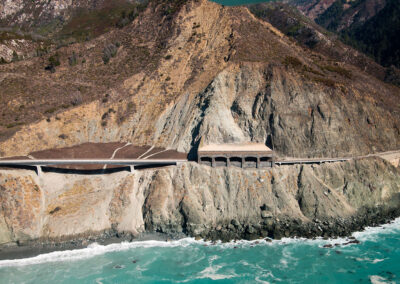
<point>376,259</point>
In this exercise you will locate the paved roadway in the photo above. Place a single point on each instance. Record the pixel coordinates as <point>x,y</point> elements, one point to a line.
<point>390,155</point>
<point>124,162</point>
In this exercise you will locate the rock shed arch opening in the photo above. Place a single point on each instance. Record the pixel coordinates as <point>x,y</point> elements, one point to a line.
<point>243,155</point>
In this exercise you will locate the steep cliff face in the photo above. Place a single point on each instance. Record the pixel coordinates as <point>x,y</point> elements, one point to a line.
<point>197,71</point>
<point>223,76</point>
<point>247,102</point>
<point>193,199</point>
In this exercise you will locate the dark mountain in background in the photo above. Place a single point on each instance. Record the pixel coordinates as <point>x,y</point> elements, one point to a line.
<point>290,21</point>
<point>371,26</point>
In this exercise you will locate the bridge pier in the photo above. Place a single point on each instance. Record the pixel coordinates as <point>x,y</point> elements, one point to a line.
<point>213,162</point>
<point>39,171</point>
<point>132,168</point>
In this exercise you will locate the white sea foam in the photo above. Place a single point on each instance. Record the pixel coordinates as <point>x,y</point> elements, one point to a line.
<point>211,272</point>
<point>366,259</point>
<point>91,251</point>
<point>376,279</point>
<point>370,233</point>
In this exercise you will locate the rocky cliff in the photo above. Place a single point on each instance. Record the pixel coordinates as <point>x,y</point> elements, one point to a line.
<point>218,203</point>
<point>181,72</point>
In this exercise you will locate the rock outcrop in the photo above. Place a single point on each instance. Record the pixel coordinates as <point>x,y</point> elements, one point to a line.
<point>199,71</point>
<point>214,85</point>
<point>218,203</point>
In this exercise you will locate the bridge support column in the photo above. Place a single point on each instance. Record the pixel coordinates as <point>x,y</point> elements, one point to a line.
<point>228,161</point>
<point>243,162</point>
<point>132,168</point>
<point>258,165</point>
<point>213,162</point>
<point>39,170</point>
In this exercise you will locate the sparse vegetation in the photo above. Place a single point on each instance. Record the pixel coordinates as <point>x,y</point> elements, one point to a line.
<point>325,81</point>
<point>73,59</point>
<point>108,52</point>
<point>292,61</point>
<point>41,51</point>
<point>54,61</point>
<point>339,70</point>
<point>50,110</point>
<point>392,75</point>
<point>76,99</point>
<point>131,106</point>
<point>15,56</point>
<point>14,124</point>
<point>88,24</point>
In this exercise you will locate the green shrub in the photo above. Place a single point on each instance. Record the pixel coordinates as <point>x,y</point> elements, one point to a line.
<point>73,59</point>
<point>50,110</point>
<point>14,124</point>
<point>292,61</point>
<point>54,60</point>
<point>15,56</point>
<point>325,81</point>
<point>108,52</point>
<point>339,70</point>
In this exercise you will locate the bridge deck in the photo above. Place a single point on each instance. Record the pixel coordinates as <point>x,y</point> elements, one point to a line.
<point>127,162</point>
<point>97,156</point>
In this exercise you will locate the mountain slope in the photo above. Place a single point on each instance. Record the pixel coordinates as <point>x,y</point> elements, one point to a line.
<point>371,26</point>
<point>199,71</point>
<point>379,35</point>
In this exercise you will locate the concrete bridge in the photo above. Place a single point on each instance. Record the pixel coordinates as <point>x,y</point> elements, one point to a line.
<point>96,157</point>
<point>131,163</point>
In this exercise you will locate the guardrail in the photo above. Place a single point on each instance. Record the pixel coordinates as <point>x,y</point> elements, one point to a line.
<point>311,161</point>
<point>38,163</point>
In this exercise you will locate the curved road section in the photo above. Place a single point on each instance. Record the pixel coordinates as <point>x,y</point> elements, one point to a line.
<point>97,156</point>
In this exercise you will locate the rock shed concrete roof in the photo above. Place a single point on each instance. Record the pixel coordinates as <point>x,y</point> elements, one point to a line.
<point>234,147</point>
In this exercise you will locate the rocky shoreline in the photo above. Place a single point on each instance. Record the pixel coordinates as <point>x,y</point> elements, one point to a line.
<point>269,230</point>
<point>57,211</point>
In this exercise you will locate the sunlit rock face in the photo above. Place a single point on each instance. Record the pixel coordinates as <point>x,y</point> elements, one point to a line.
<point>206,73</point>
<point>193,199</point>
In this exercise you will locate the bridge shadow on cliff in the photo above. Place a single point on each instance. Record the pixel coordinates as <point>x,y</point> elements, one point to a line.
<point>82,171</point>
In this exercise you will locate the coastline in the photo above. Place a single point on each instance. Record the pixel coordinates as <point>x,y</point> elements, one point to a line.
<point>312,230</point>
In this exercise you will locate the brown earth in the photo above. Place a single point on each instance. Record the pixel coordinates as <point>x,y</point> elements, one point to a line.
<point>208,71</point>
<point>113,150</point>
<point>199,71</point>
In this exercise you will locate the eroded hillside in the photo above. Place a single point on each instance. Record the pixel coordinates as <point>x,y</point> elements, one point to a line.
<point>185,71</point>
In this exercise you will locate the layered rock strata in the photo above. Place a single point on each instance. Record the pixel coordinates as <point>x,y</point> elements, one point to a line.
<point>190,199</point>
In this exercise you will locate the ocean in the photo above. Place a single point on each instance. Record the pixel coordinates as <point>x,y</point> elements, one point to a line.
<point>376,259</point>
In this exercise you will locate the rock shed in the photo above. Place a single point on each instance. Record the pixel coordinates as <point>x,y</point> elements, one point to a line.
<point>243,155</point>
